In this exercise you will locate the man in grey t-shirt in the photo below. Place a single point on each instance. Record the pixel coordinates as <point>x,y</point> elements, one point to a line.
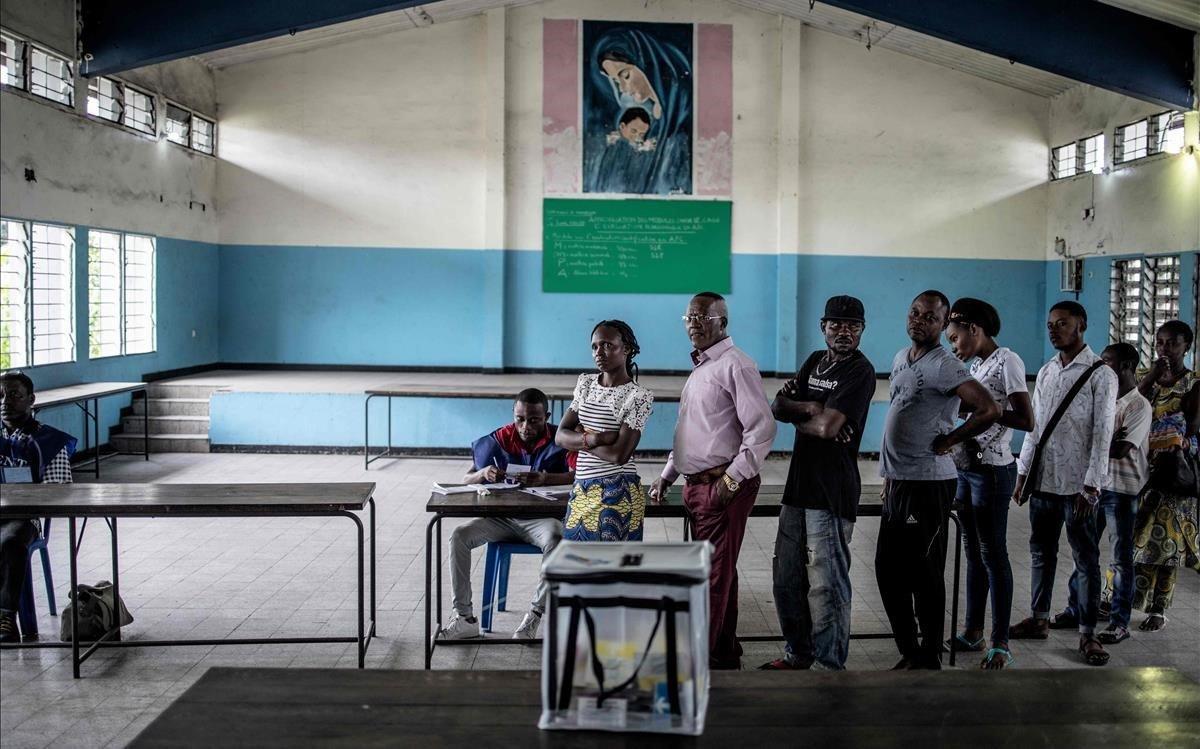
<point>927,386</point>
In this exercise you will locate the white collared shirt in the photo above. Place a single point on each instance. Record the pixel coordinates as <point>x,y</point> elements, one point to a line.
<point>1077,452</point>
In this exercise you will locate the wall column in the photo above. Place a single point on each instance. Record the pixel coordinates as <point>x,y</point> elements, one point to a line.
<point>787,245</point>
<point>494,237</point>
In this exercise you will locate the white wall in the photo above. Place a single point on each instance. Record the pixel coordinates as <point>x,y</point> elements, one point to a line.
<point>1151,205</point>
<point>383,141</point>
<point>372,142</point>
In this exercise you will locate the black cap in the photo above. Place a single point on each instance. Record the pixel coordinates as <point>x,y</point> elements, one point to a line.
<point>844,308</point>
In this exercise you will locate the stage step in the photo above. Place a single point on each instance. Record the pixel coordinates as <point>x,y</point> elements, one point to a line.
<point>166,425</point>
<point>132,442</point>
<point>172,406</point>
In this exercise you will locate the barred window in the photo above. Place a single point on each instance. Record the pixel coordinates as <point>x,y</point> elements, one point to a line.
<point>14,294</point>
<point>121,286</point>
<point>106,99</point>
<point>51,76</point>
<point>104,294</point>
<point>1092,153</point>
<point>12,61</point>
<point>52,282</point>
<point>178,125</point>
<point>1144,293</point>
<point>1062,163</point>
<point>1160,133</point>
<point>139,111</point>
<point>204,135</point>
<point>1168,132</point>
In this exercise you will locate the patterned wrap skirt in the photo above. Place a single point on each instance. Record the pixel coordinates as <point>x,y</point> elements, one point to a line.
<point>610,508</point>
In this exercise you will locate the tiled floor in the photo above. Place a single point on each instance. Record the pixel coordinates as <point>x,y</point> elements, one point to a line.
<point>245,577</point>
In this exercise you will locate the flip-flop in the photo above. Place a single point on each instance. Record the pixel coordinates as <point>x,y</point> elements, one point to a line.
<point>1159,628</point>
<point>998,655</point>
<point>1095,657</point>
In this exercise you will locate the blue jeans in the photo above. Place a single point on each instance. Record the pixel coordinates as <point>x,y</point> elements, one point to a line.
<point>984,496</point>
<point>811,572</point>
<point>1047,515</point>
<point>1118,511</point>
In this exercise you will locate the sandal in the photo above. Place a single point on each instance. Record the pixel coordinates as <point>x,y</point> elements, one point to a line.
<point>1030,629</point>
<point>1092,651</point>
<point>961,644</point>
<point>1112,635</point>
<point>1153,623</point>
<point>997,659</point>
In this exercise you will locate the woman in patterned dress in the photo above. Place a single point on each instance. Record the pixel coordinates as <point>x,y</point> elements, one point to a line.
<point>1166,536</point>
<point>604,423</point>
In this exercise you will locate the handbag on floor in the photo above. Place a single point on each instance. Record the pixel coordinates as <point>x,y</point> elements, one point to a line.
<point>96,606</point>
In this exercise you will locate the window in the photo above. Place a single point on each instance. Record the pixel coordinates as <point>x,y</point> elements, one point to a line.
<point>106,99</point>
<point>37,291</point>
<point>1092,153</point>
<point>1082,156</point>
<point>51,77</point>
<point>12,61</point>
<point>178,125</point>
<point>204,135</point>
<point>1063,163</point>
<point>1144,294</point>
<point>1160,133</point>
<point>121,314</point>
<point>139,111</point>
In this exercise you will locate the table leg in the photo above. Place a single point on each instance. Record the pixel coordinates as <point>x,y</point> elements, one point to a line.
<point>367,433</point>
<point>116,574</point>
<point>96,431</point>
<point>438,542</point>
<point>954,599</point>
<point>429,592</point>
<point>362,644</point>
<point>389,430</point>
<point>146,422</point>
<point>374,610</point>
<point>73,549</point>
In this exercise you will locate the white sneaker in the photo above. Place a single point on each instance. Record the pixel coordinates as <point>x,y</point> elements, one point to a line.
<point>461,628</point>
<point>528,628</point>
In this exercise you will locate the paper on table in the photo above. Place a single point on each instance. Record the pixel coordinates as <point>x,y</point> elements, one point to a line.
<point>514,468</point>
<point>469,488</point>
<point>551,492</point>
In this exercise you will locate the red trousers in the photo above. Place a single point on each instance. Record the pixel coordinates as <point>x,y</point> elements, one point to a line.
<point>724,527</point>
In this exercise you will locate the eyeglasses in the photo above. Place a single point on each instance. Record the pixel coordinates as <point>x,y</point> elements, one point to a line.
<point>699,318</point>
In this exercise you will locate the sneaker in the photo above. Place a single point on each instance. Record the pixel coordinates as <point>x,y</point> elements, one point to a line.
<point>528,628</point>
<point>1113,634</point>
<point>461,628</point>
<point>8,629</point>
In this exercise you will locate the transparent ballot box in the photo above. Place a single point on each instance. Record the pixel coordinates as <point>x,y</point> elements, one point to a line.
<point>626,639</point>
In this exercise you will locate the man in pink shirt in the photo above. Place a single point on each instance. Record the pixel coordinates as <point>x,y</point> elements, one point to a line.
<point>724,433</point>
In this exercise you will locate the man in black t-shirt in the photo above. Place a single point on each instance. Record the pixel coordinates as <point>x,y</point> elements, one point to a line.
<point>827,402</point>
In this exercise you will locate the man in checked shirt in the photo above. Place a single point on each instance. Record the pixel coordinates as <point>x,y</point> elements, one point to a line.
<point>30,452</point>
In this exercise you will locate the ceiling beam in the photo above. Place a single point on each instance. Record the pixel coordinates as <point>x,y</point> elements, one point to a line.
<point>1084,40</point>
<point>124,34</point>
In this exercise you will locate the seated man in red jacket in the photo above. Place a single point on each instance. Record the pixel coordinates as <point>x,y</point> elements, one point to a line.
<point>527,441</point>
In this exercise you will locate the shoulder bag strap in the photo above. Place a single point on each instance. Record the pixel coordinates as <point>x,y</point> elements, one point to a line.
<point>1035,467</point>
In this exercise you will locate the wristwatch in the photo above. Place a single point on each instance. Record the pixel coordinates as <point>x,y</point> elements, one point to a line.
<point>730,484</point>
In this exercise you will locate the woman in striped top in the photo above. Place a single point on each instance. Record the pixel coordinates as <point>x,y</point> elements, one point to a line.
<point>604,423</point>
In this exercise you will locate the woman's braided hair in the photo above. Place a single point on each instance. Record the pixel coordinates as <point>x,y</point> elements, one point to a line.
<point>628,339</point>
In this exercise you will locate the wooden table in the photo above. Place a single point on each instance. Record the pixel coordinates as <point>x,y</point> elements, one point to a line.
<point>114,501</point>
<point>1146,707</point>
<point>91,393</point>
<point>516,503</point>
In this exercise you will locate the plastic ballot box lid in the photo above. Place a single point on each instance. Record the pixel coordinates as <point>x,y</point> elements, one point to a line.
<point>686,563</point>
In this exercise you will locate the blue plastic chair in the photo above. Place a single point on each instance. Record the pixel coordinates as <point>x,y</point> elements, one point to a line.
<point>26,610</point>
<point>495,577</point>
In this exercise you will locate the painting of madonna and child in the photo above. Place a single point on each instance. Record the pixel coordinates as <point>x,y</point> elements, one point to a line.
<point>637,108</point>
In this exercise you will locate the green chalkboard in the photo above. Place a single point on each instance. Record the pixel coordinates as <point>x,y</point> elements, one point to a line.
<point>635,246</point>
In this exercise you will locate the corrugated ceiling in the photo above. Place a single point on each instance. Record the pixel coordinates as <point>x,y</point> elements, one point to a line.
<point>822,16</point>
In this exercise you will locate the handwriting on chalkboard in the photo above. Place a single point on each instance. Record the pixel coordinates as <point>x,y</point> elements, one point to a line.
<point>633,245</point>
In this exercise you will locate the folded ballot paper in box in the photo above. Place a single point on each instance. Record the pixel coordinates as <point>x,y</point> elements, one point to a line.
<point>626,641</point>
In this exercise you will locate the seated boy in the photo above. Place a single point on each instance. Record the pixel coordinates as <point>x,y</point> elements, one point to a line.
<point>30,452</point>
<point>528,441</point>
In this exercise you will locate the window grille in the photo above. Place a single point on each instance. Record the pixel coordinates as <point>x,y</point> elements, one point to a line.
<point>139,111</point>
<point>1144,293</point>
<point>204,135</point>
<point>53,294</point>
<point>50,77</point>
<point>178,125</point>
<point>1062,163</point>
<point>139,328</point>
<point>12,61</point>
<point>104,294</point>
<point>14,294</point>
<point>106,99</point>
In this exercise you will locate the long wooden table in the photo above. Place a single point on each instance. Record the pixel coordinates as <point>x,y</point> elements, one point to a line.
<point>1126,707</point>
<point>87,397</point>
<point>516,503</point>
<point>113,501</point>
